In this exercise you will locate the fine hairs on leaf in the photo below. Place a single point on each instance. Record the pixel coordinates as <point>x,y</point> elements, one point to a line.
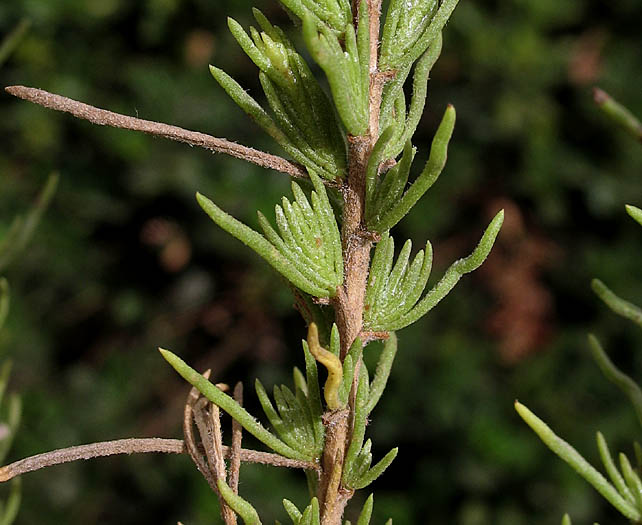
<point>348,132</point>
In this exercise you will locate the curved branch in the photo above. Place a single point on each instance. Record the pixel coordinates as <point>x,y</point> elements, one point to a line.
<point>135,446</point>
<point>194,138</point>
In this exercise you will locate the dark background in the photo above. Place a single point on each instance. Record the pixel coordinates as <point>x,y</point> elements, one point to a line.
<point>125,261</point>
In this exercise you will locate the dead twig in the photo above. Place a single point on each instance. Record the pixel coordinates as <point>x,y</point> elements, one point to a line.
<point>194,138</point>
<point>94,450</point>
<point>235,450</point>
<point>136,446</point>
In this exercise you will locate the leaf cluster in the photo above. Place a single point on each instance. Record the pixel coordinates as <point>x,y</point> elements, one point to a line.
<point>305,124</point>
<point>307,248</point>
<point>393,296</point>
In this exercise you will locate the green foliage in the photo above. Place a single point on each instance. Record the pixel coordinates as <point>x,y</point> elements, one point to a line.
<point>308,248</point>
<point>238,504</point>
<point>229,405</point>
<point>337,14</point>
<point>301,108</point>
<point>622,501</point>
<point>393,107</point>
<point>393,292</point>
<point>307,252</point>
<point>407,33</point>
<point>618,113</point>
<point>347,67</point>
<point>315,241</point>
<point>624,491</point>
<point>392,209</point>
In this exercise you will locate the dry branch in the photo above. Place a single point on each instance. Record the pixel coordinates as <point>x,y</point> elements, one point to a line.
<point>103,117</point>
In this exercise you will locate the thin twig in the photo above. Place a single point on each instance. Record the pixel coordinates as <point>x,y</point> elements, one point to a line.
<point>94,450</point>
<point>136,446</point>
<point>190,441</point>
<point>194,138</point>
<point>237,436</point>
<point>209,427</point>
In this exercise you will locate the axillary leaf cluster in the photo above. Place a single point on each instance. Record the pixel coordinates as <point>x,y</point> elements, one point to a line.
<point>350,138</point>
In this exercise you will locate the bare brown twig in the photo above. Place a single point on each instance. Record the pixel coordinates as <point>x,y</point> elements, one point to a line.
<point>94,450</point>
<point>135,446</point>
<point>194,138</point>
<point>237,435</point>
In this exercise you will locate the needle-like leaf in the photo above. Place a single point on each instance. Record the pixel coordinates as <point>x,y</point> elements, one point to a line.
<point>242,507</point>
<point>377,470</point>
<point>616,376</point>
<point>578,463</point>
<point>382,372</point>
<point>430,174</point>
<point>366,511</point>
<point>611,469</point>
<point>226,403</point>
<point>615,303</point>
<point>635,213</point>
<point>452,276</point>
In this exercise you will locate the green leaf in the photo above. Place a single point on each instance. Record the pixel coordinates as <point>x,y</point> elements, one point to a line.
<point>615,303</point>
<point>337,14</point>
<point>382,373</point>
<point>635,213</point>
<point>288,257</point>
<point>231,407</point>
<point>344,71</point>
<point>632,480</point>
<point>410,29</point>
<point>430,174</point>
<point>293,511</point>
<point>392,186</point>
<point>578,463</point>
<point>377,470</point>
<point>619,378</point>
<point>618,113</point>
<point>372,170</point>
<point>611,469</point>
<point>419,92</point>
<point>238,504</point>
<point>452,276</point>
<point>566,520</point>
<point>311,514</point>
<point>359,429</point>
<point>366,511</point>
<point>299,380</point>
<point>314,395</point>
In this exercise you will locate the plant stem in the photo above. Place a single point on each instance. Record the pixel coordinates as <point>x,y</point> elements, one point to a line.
<point>349,302</point>
<point>134,446</point>
<point>103,117</point>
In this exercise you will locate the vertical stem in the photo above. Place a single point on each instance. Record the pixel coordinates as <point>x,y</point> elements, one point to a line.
<point>349,302</point>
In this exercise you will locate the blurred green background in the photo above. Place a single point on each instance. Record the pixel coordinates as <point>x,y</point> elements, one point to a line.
<point>125,261</point>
